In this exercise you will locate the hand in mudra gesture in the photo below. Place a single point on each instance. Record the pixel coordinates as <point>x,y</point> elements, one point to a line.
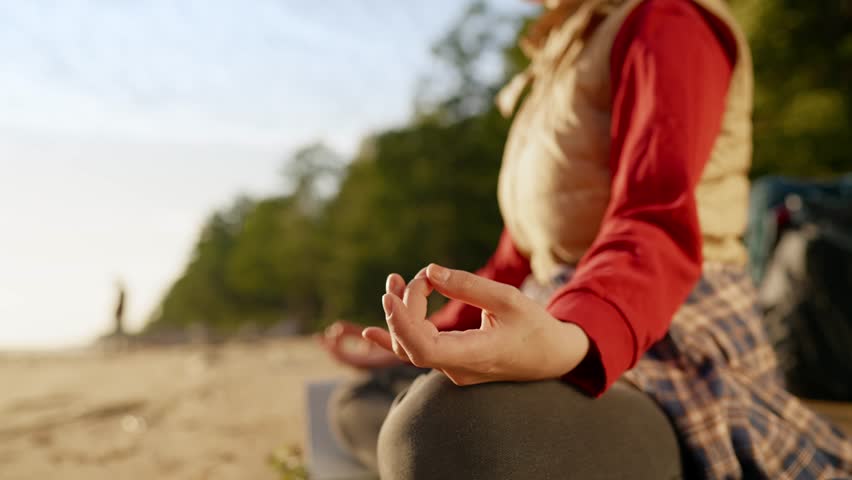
<point>518,339</point>
<point>343,341</point>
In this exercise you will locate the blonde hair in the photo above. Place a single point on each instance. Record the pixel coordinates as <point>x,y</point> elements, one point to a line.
<point>554,15</point>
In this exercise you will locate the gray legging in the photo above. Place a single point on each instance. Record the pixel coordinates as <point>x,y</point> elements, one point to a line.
<point>541,430</point>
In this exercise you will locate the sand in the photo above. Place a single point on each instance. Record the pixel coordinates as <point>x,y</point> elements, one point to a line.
<point>166,413</point>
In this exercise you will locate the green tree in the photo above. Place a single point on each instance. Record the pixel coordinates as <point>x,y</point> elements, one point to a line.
<point>803,99</point>
<point>200,295</point>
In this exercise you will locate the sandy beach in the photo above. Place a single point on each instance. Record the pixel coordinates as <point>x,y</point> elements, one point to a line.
<point>168,412</point>
<point>182,412</point>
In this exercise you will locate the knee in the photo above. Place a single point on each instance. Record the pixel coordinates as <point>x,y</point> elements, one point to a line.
<point>524,430</point>
<point>342,409</point>
<point>440,430</point>
<point>356,412</point>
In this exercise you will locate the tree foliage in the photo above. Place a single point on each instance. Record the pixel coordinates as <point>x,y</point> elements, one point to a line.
<point>803,101</point>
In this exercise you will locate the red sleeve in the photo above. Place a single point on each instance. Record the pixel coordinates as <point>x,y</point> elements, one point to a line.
<point>671,67</point>
<point>506,265</point>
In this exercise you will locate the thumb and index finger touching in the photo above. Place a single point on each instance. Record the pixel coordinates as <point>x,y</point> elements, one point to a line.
<point>407,321</point>
<point>411,300</point>
<point>405,311</point>
<point>394,285</point>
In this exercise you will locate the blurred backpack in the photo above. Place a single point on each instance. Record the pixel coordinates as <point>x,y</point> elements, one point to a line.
<point>805,281</point>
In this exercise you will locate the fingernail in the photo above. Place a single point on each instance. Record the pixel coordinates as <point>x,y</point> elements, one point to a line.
<point>388,304</point>
<point>334,330</point>
<point>438,273</point>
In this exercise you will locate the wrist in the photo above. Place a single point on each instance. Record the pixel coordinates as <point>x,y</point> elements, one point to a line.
<point>569,344</point>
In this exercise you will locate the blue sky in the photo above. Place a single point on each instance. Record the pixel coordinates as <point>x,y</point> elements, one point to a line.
<point>124,123</point>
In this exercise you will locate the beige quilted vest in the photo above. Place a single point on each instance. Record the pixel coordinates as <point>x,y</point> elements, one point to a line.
<point>555,181</point>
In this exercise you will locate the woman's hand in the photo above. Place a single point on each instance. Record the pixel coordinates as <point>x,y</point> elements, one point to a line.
<point>344,342</point>
<point>517,341</point>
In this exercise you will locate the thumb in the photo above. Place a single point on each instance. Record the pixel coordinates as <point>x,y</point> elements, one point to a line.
<point>473,289</point>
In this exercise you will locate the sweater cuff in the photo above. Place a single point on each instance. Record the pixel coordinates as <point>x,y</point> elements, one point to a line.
<point>612,344</point>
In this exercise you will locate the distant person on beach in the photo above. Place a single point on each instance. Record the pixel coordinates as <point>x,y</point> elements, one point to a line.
<point>613,333</point>
<point>121,292</point>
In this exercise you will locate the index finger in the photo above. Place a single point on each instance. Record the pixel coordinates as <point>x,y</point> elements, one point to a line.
<point>411,331</point>
<point>416,296</point>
